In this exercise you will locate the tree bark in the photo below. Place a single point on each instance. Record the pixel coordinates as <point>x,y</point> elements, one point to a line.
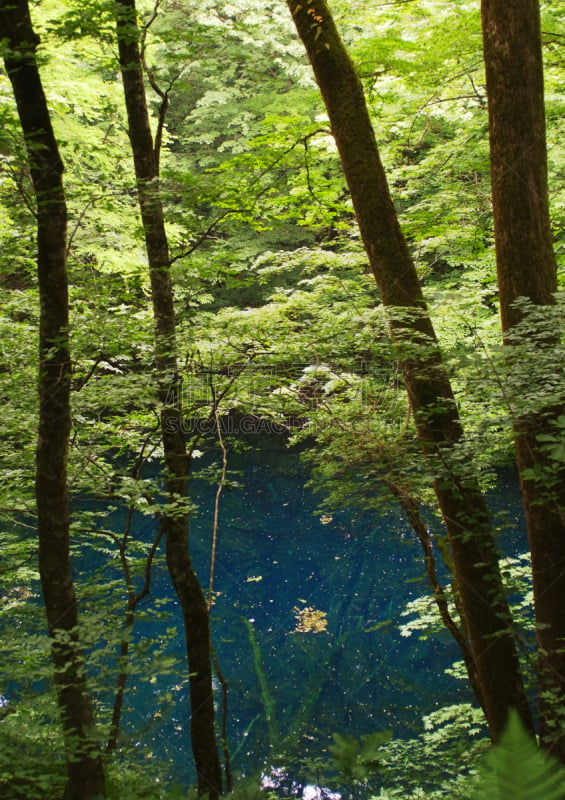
<point>175,521</point>
<point>84,764</point>
<point>439,429</point>
<point>526,267</point>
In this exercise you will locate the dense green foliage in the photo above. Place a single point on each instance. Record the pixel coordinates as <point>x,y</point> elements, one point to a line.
<point>279,328</point>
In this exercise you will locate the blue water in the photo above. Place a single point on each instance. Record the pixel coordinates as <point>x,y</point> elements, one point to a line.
<point>278,562</point>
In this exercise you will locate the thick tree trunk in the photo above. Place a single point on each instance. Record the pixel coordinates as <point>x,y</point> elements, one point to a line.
<point>526,267</point>
<point>460,500</point>
<point>175,522</point>
<point>84,764</point>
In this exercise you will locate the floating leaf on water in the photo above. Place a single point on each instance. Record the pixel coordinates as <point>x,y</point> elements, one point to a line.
<point>310,620</point>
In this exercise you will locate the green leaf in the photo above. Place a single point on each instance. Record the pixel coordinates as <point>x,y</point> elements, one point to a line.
<point>517,769</point>
<point>358,760</point>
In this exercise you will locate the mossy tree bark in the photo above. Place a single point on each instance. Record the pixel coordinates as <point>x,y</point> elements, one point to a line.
<point>175,520</point>
<point>526,267</point>
<point>439,429</point>
<point>84,764</point>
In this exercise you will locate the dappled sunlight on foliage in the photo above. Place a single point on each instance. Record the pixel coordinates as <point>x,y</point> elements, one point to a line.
<point>280,335</point>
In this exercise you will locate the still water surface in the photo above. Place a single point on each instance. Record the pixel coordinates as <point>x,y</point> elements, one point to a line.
<point>305,624</point>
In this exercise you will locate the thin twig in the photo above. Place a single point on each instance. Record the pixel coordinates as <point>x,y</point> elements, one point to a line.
<point>219,490</point>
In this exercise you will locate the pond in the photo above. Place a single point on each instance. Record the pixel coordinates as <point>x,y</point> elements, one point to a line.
<point>305,625</point>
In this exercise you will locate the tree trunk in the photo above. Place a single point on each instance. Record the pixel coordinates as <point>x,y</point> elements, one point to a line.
<point>526,267</point>
<point>84,764</point>
<point>175,521</point>
<point>439,429</point>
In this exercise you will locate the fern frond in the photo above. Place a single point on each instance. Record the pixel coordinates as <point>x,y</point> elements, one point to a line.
<point>517,769</point>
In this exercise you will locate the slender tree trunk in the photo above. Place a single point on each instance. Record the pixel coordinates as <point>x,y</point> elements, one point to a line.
<point>84,764</point>
<point>175,522</point>
<point>526,267</point>
<point>460,500</point>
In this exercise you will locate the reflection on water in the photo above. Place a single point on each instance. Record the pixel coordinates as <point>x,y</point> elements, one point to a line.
<point>304,624</point>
